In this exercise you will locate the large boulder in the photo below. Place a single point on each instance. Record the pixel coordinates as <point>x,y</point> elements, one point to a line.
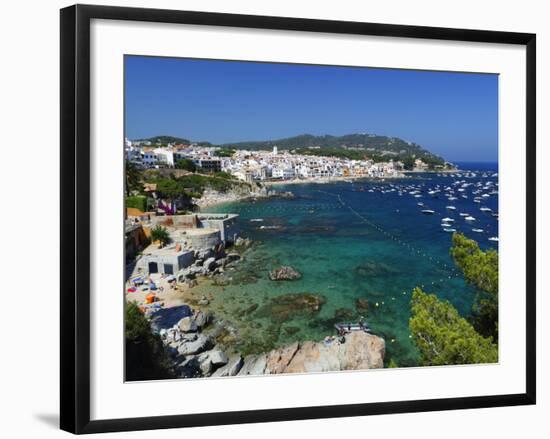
<point>284,273</point>
<point>217,357</point>
<point>205,254</point>
<point>232,368</point>
<point>201,319</point>
<point>187,324</point>
<point>200,344</point>
<point>205,363</point>
<point>254,365</point>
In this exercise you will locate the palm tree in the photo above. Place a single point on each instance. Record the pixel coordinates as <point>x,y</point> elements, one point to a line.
<point>160,234</point>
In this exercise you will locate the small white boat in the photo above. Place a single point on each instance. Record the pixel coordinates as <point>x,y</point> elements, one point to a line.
<point>470,218</point>
<point>428,211</point>
<point>256,220</point>
<point>464,214</point>
<point>451,207</point>
<point>493,238</point>
<point>485,209</point>
<point>448,220</point>
<point>420,204</point>
<point>449,230</point>
<point>477,230</point>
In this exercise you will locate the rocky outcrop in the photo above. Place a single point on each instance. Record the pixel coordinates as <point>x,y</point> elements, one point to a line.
<point>284,273</point>
<point>200,344</point>
<point>359,351</point>
<point>195,354</point>
<point>232,368</point>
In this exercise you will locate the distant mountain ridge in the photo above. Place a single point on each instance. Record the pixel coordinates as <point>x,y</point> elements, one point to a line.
<point>369,143</point>
<point>361,141</point>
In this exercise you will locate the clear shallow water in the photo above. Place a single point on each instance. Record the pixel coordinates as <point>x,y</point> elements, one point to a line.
<point>366,240</point>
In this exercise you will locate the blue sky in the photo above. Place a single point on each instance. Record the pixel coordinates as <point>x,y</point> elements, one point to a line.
<point>451,114</point>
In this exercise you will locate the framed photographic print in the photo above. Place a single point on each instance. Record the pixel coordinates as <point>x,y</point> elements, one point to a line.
<point>268,218</point>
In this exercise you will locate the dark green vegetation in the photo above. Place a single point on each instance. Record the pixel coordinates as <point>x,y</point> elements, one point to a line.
<point>480,269</point>
<point>186,164</point>
<point>351,146</point>
<point>172,188</point>
<point>146,358</point>
<point>443,337</point>
<point>408,163</point>
<point>137,202</point>
<point>132,177</point>
<point>160,234</point>
<point>164,140</point>
<point>225,152</point>
<point>220,182</point>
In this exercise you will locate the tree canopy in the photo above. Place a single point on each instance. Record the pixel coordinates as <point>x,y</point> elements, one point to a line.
<point>480,269</point>
<point>225,152</point>
<point>408,163</point>
<point>146,358</point>
<point>160,234</point>
<point>186,164</point>
<point>132,178</point>
<point>443,337</point>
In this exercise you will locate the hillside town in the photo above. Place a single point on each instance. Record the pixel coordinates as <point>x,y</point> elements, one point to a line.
<point>261,166</point>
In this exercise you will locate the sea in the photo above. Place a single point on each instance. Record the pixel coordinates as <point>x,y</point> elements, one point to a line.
<point>350,240</point>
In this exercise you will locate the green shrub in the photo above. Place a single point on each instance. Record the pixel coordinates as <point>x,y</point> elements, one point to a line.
<point>138,202</point>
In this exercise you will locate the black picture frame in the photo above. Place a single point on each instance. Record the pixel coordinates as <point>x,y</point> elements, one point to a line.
<point>75,217</point>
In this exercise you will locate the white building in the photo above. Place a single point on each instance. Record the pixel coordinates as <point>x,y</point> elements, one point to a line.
<point>165,156</point>
<point>150,158</point>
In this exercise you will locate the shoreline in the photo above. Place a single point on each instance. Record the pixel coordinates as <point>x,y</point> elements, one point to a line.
<point>232,198</point>
<point>327,180</point>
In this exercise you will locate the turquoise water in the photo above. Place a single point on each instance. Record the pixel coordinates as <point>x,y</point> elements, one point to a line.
<point>365,240</point>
